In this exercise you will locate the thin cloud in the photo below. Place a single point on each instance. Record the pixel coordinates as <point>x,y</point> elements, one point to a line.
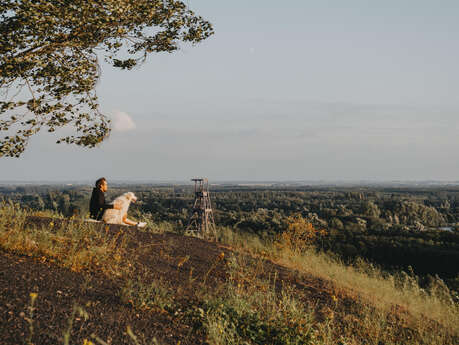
<point>122,122</point>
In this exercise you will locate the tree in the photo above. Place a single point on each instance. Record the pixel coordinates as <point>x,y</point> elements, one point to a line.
<point>49,60</point>
<point>64,204</point>
<point>299,235</point>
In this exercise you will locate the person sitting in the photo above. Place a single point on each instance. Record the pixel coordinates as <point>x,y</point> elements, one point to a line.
<point>97,204</point>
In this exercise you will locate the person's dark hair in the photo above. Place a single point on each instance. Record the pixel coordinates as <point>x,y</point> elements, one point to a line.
<point>100,181</point>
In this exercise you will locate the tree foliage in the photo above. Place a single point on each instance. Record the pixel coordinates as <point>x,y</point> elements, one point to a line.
<point>49,59</point>
<point>299,235</point>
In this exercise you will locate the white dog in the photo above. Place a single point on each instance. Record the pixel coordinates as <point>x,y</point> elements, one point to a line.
<point>114,216</point>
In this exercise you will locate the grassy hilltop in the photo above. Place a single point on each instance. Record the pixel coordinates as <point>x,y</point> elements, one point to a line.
<point>68,282</point>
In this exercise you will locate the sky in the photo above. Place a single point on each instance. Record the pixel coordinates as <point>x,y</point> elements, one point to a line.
<point>285,90</point>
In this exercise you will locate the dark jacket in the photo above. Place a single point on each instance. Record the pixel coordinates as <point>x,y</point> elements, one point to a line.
<point>97,205</point>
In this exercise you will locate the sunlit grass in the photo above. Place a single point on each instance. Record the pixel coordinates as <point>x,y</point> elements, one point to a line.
<point>373,286</point>
<point>75,245</point>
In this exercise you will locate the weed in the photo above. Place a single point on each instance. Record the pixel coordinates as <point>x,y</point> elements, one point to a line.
<point>29,319</point>
<point>214,265</point>
<point>143,295</point>
<point>81,313</point>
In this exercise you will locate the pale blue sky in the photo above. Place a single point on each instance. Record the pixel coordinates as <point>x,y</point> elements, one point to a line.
<point>315,90</point>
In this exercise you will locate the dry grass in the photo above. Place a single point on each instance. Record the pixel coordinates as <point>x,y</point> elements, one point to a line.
<point>248,310</point>
<point>75,245</point>
<point>378,292</point>
<point>380,289</point>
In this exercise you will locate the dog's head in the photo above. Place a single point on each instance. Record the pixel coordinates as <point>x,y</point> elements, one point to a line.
<point>130,197</point>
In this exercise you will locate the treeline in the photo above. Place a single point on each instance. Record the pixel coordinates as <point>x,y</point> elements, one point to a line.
<point>426,252</point>
<point>61,199</point>
<point>263,211</point>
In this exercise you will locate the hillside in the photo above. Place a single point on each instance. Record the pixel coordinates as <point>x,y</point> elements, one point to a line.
<point>72,283</point>
<point>409,228</point>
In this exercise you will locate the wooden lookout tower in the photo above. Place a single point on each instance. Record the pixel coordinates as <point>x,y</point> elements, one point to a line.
<point>201,221</point>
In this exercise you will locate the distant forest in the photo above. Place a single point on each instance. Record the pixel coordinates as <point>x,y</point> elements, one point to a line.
<point>415,228</point>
